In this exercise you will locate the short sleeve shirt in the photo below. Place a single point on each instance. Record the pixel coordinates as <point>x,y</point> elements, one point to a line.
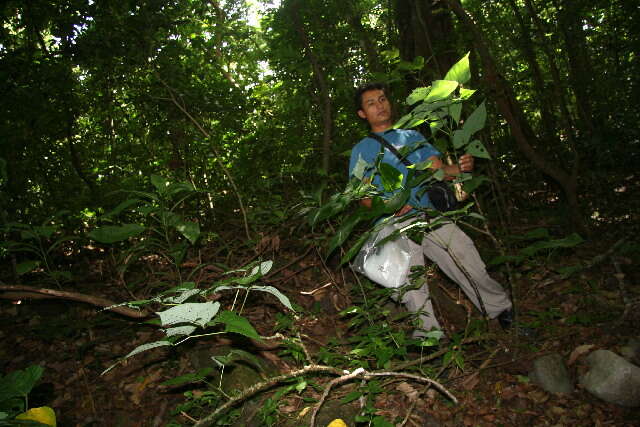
<point>368,149</point>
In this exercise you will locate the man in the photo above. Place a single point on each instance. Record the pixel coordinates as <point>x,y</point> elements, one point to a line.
<point>448,246</point>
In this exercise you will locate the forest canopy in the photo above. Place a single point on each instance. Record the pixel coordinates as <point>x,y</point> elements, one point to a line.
<point>98,96</point>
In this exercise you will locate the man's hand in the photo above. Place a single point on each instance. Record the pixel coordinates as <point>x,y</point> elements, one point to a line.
<point>403,210</point>
<point>465,163</point>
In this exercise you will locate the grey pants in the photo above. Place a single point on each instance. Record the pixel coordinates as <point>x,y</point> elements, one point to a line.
<point>454,252</point>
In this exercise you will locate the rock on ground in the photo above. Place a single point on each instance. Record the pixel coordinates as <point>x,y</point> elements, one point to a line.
<point>550,373</point>
<point>612,378</point>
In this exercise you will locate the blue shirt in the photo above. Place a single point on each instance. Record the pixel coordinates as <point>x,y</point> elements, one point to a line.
<point>368,149</point>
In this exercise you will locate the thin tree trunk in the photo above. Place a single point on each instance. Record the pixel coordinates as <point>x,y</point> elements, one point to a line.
<point>520,128</point>
<point>580,70</point>
<point>548,119</point>
<point>323,88</point>
<point>557,87</point>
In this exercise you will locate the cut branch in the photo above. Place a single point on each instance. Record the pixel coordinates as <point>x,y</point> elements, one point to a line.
<point>15,292</point>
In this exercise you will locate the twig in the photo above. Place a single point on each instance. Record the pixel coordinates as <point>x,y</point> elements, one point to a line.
<point>409,412</point>
<point>301,257</point>
<point>187,416</point>
<point>441,352</point>
<point>209,419</point>
<point>21,291</point>
<point>360,372</point>
<point>327,389</point>
<point>304,348</point>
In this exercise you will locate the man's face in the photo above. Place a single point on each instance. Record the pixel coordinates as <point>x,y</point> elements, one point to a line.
<point>376,109</point>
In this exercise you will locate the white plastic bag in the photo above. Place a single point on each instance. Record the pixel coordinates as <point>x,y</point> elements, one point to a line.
<point>387,264</point>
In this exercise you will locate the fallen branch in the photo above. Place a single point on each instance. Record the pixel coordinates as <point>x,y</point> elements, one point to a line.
<point>343,377</point>
<point>360,372</point>
<point>209,419</point>
<point>15,292</point>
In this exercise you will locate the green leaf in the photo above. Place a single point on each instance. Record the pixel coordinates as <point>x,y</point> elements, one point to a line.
<point>27,267</point>
<point>190,230</point>
<point>470,185</point>
<point>350,397</point>
<point>466,93</point>
<point>345,231</point>
<point>460,71</point>
<point>455,110</point>
<point>418,94</point>
<point>397,201</point>
<point>460,138</point>
<point>116,233</point>
<point>45,230</point>
<point>121,207</point>
<point>20,382</point>
<point>301,385</point>
<point>390,176</point>
<point>404,119</point>
<point>353,251</point>
<point>189,378</point>
<point>568,242</point>
<point>535,234</point>
<point>147,346</point>
<point>476,149</point>
<point>161,183</point>
<point>191,312</point>
<point>380,421</point>
<point>441,89</point>
<point>237,324</point>
<point>180,331</point>
<point>476,120</point>
<point>284,300</point>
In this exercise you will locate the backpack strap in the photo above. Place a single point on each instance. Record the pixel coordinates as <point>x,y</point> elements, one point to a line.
<point>390,147</point>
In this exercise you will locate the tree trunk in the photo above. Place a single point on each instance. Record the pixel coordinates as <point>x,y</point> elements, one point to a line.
<point>520,128</point>
<point>424,29</point>
<point>580,70</point>
<point>323,88</point>
<point>557,86</point>
<point>525,44</point>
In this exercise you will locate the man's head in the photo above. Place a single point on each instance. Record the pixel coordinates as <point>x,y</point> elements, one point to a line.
<point>373,106</point>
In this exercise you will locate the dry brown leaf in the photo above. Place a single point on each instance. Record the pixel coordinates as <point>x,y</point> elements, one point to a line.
<point>578,352</point>
<point>471,381</point>
<point>408,390</point>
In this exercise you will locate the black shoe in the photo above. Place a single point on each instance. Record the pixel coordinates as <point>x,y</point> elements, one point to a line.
<point>506,319</point>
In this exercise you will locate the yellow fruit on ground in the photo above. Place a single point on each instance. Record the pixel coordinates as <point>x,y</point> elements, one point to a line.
<point>337,423</point>
<point>44,415</point>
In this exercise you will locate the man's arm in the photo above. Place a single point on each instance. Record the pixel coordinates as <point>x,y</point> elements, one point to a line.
<point>465,164</point>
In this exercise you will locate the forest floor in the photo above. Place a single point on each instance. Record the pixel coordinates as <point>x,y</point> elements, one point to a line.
<point>488,374</point>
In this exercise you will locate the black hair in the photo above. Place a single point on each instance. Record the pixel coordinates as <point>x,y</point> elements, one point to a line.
<point>365,88</point>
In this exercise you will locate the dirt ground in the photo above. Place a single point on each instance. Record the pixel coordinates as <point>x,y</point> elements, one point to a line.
<point>75,343</point>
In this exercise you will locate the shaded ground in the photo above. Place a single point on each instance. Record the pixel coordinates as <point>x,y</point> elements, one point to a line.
<point>75,344</point>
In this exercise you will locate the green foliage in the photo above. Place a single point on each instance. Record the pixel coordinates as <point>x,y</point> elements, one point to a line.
<point>166,231</point>
<point>180,322</point>
<point>539,240</point>
<point>379,334</point>
<point>14,390</point>
<point>39,243</point>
